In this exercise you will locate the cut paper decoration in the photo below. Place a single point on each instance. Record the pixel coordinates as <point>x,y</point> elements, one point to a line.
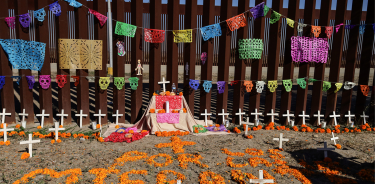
<point>74,3</point>
<point>329,31</point>
<point>90,78</point>
<point>349,26</point>
<point>104,82</point>
<point>61,80</point>
<point>259,10</point>
<point>326,85</point>
<point>288,85</point>
<point>154,35</point>
<point>312,80</point>
<point>183,36</point>
<point>233,82</point>
<point>275,16</point>
<point>25,20</point>
<point>18,78</point>
<point>248,85</point>
<point>236,22</point>
<point>337,27</point>
<point>174,102</point>
<point>171,118</point>
<point>30,81</point>
<point>24,54</point>
<point>119,82</point>
<point>338,87</point>
<point>40,14</point>
<point>302,82</point>
<point>362,29</point>
<point>203,57</point>
<point>349,85</point>
<point>80,54</point>
<point>45,81</point>
<point>207,85</point>
<point>250,48</point>
<point>265,10</point>
<point>199,129</point>
<point>272,85</point>
<point>221,128</point>
<point>2,81</point>
<point>300,27</point>
<point>76,80</point>
<point>125,29</point>
<point>211,31</point>
<point>221,86</point>
<point>11,21</point>
<point>305,49</point>
<point>194,84</point>
<point>316,30</point>
<point>290,22</point>
<point>365,89</point>
<point>102,19</point>
<point>55,8</point>
<point>120,48</point>
<point>133,82</point>
<point>260,85</point>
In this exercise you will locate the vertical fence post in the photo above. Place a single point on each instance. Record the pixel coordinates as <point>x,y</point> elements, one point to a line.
<point>356,16</point>
<point>26,94</point>
<point>136,53</point>
<point>172,53</point>
<point>372,104</point>
<point>7,94</point>
<point>118,61</point>
<point>155,50</point>
<point>45,95</point>
<point>365,61</point>
<point>207,46</point>
<point>336,57</point>
<point>273,58</point>
<point>101,34</point>
<point>190,51</point>
<point>240,65</point>
<point>61,23</point>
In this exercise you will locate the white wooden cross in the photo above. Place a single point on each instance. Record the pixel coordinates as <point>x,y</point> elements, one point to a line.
<point>261,180</point>
<point>80,117</point>
<point>325,149</point>
<point>303,117</point>
<point>62,116</point>
<point>280,140</point>
<point>117,115</point>
<point>364,117</point>
<point>247,123</point>
<point>349,116</point>
<point>272,115</point>
<point>288,115</point>
<point>256,115</point>
<point>56,129</point>
<point>205,114</point>
<point>163,82</point>
<point>30,142</point>
<point>240,115</point>
<point>318,115</point>
<point>334,138</point>
<point>5,130</point>
<point>223,114</point>
<point>334,117</point>
<point>42,115</point>
<point>23,114</point>
<point>100,117</point>
<point>3,115</point>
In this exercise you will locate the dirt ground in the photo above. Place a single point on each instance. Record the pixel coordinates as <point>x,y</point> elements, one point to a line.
<point>357,153</point>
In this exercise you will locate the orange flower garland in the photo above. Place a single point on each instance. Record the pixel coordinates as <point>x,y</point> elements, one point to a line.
<point>255,161</point>
<point>73,178</point>
<point>171,133</point>
<point>124,178</point>
<point>254,152</point>
<point>161,111</point>
<point>240,177</point>
<point>127,157</point>
<point>184,159</point>
<point>231,164</point>
<point>168,160</point>
<point>217,178</point>
<point>101,174</point>
<point>176,144</point>
<point>161,177</point>
<point>25,156</point>
<point>226,151</point>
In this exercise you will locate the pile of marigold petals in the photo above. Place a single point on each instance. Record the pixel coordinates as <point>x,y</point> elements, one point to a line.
<point>177,144</point>
<point>73,178</point>
<point>171,133</point>
<point>120,137</point>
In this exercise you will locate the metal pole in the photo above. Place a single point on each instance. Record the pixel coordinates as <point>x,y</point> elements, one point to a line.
<point>110,68</point>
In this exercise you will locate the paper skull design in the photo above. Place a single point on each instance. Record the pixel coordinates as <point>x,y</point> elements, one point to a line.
<point>119,82</point>
<point>40,14</point>
<point>301,82</point>
<point>365,89</point>
<point>326,85</point>
<point>61,80</point>
<point>194,84</point>
<point>2,81</point>
<point>207,85</point>
<point>288,85</point>
<point>30,81</point>
<point>25,20</point>
<point>221,86</point>
<point>272,85</point>
<point>259,86</point>
<point>45,81</point>
<point>133,82</point>
<point>55,8</point>
<point>104,82</point>
<point>349,85</point>
<point>249,85</point>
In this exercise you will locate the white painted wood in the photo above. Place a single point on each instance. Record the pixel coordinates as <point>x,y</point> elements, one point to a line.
<point>42,115</point>
<point>30,143</point>
<point>205,114</point>
<point>164,82</point>
<point>280,140</point>
<point>56,129</point>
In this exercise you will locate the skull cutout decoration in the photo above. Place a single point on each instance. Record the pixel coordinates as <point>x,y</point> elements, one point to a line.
<point>221,86</point>
<point>249,85</point>
<point>119,82</point>
<point>301,82</point>
<point>260,86</point>
<point>207,85</point>
<point>194,84</point>
<point>288,85</point>
<point>25,20</point>
<point>349,85</point>
<point>61,80</point>
<point>272,85</point>
<point>133,82</point>
<point>104,82</point>
<point>2,81</point>
<point>45,81</point>
<point>30,81</point>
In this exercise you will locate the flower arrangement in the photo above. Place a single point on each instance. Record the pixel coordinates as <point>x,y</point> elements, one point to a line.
<point>217,178</point>
<point>161,177</point>
<point>238,154</point>
<point>254,152</point>
<point>240,177</point>
<point>124,178</point>
<point>184,159</point>
<point>73,178</point>
<point>177,144</point>
<point>119,137</point>
<point>171,133</point>
<point>255,161</point>
<point>18,126</point>
<point>199,129</point>
<point>152,110</point>
<point>25,156</point>
<point>230,163</point>
<point>168,160</point>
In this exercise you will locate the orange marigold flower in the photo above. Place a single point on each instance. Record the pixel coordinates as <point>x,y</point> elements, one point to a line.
<point>25,156</point>
<point>58,141</point>
<point>1,143</point>
<point>7,143</point>
<point>117,126</point>
<point>217,125</point>
<point>368,129</point>
<point>131,131</point>
<point>53,141</point>
<point>328,130</point>
<point>287,129</point>
<point>346,129</point>
<point>249,136</point>
<point>100,139</point>
<point>60,126</point>
<point>155,94</point>
<point>184,109</point>
<point>303,130</point>
<point>18,126</point>
<point>180,94</point>
<point>338,146</point>
<point>39,127</point>
<point>152,110</point>
<point>228,131</point>
<point>98,126</point>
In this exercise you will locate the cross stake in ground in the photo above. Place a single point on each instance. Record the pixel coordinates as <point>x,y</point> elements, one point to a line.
<point>80,117</point>
<point>349,116</point>
<point>56,129</point>
<point>304,116</point>
<point>288,115</point>
<point>280,140</point>
<point>364,117</point>
<point>334,117</point>
<point>247,123</point>
<point>30,142</point>
<point>205,114</point>
<point>3,115</point>
<point>272,114</point>
<point>5,130</point>
<point>261,180</point>
<point>318,115</point>
<point>117,115</point>
<point>256,114</point>
<point>100,115</point>
<point>62,115</point>
<point>240,115</point>
<point>334,138</point>
<point>223,114</point>
<point>325,149</point>
<point>23,114</point>
<point>42,115</point>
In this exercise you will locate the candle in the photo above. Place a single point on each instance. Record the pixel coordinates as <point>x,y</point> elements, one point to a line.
<point>167,106</point>
<point>94,125</point>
